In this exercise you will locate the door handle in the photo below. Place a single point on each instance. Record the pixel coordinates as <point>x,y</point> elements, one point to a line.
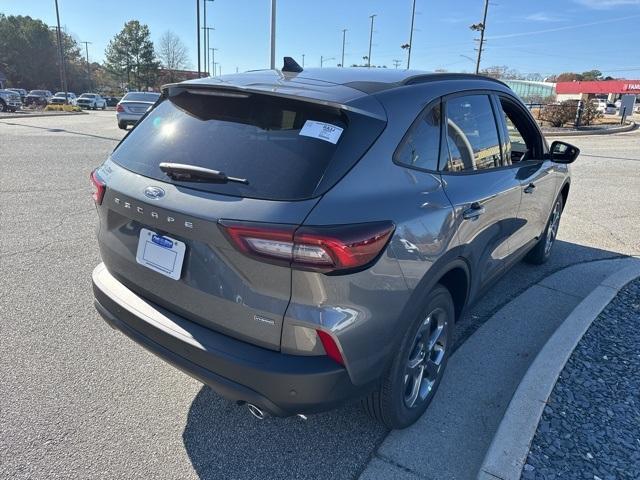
<point>529,188</point>
<point>473,212</point>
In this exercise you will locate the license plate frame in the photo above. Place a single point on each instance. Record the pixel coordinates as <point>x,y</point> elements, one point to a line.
<point>160,253</point>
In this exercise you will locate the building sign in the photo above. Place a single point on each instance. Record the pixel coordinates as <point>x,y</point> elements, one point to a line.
<point>603,86</point>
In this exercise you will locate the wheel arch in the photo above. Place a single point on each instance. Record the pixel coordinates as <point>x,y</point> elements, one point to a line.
<point>564,191</point>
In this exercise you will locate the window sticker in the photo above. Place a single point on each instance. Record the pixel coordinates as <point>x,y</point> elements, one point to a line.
<point>321,130</point>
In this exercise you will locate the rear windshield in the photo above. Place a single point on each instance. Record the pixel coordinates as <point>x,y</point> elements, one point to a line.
<point>282,147</point>
<point>141,96</point>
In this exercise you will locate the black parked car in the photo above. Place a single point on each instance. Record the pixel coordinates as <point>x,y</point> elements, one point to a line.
<point>112,101</point>
<point>38,97</point>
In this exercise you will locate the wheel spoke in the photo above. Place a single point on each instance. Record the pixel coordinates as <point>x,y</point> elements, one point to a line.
<point>416,382</point>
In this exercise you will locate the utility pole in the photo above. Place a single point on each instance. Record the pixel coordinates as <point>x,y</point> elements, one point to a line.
<point>63,73</point>
<point>213,56</point>
<point>413,16</point>
<point>273,35</point>
<point>206,55</point>
<point>481,27</point>
<point>198,33</point>
<point>303,60</point>
<point>206,36</point>
<point>396,63</point>
<point>344,35</point>
<point>86,47</point>
<point>370,40</point>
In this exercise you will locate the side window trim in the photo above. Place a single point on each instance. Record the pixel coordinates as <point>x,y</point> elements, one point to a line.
<point>419,117</point>
<point>444,132</point>
<point>503,131</point>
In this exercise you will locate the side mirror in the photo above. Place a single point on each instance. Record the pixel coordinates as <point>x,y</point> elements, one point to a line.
<point>562,152</point>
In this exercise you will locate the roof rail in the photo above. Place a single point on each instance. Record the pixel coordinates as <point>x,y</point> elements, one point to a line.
<point>437,77</point>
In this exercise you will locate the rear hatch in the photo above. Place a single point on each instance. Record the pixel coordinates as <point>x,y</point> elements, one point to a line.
<point>289,150</point>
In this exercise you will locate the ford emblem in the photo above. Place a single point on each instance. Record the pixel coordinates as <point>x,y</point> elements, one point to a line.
<point>154,192</point>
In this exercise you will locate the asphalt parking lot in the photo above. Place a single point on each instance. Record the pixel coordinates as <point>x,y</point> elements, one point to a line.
<point>79,400</point>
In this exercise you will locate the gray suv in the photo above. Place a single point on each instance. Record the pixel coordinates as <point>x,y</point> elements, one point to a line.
<point>296,239</point>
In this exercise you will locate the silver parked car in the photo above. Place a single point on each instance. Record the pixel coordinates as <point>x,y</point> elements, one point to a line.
<point>133,106</point>
<point>9,100</point>
<point>298,238</point>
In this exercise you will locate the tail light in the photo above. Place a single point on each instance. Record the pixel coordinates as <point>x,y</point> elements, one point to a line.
<point>323,248</point>
<point>98,188</point>
<point>119,108</point>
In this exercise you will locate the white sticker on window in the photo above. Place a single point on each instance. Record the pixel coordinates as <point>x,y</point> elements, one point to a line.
<point>321,130</point>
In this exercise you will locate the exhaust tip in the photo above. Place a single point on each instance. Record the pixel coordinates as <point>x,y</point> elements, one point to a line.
<point>256,411</point>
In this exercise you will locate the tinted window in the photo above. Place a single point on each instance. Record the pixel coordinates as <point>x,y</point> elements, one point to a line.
<point>472,136</point>
<point>421,146</point>
<point>141,96</point>
<point>282,147</point>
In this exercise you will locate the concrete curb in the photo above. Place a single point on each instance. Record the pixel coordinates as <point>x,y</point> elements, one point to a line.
<point>580,133</point>
<point>17,116</point>
<point>510,446</point>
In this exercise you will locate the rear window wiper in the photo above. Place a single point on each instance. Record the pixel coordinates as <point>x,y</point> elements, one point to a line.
<point>191,173</point>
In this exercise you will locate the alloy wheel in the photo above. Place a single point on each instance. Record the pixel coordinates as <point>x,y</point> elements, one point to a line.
<point>424,364</point>
<point>553,228</point>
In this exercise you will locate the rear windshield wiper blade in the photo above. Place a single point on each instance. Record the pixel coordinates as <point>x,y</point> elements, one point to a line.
<point>191,173</point>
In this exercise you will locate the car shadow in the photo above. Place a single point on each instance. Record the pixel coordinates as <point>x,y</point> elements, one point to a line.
<point>224,440</point>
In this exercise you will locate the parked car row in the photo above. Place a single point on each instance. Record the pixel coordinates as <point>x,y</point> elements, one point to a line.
<point>11,99</point>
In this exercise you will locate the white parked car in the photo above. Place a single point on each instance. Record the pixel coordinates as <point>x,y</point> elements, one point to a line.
<point>605,107</point>
<point>92,101</point>
<point>58,98</point>
<point>133,106</point>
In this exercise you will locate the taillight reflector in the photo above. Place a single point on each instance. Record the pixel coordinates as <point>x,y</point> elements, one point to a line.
<point>99,188</point>
<point>322,248</point>
<point>330,347</point>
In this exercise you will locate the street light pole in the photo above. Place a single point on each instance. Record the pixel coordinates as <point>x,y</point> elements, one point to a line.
<point>344,35</point>
<point>86,46</point>
<point>370,40</point>
<point>273,35</point>
<point>482,27</point>
<point>198,34</point>
<point>63,73</point>
<point>303,60</point>
<point>413,16</point>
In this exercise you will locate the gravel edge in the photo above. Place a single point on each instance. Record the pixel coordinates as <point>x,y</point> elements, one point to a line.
<point>508,452</point>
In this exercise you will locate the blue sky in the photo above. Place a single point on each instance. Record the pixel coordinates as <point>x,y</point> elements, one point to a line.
<point>542,36</point>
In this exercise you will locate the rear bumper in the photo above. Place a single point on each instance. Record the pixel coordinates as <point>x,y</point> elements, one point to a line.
<point>280,384</point>
<point>128,117</point>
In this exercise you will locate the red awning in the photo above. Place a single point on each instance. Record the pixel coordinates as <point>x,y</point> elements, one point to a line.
<point>604,86</point>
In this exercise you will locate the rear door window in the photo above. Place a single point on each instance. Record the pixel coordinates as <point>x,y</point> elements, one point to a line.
<point>282,147</point>
<point>472,134</point>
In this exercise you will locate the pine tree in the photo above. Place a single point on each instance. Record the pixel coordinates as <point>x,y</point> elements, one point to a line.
<point>130,56</point>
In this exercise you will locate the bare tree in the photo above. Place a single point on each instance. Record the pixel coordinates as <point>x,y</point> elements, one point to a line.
<point>173,54</point>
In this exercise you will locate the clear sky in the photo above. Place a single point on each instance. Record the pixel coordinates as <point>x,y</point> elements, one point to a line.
<point>542,36</point>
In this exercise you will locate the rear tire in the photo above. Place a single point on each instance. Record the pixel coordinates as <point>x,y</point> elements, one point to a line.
<point>542,251</point>
<point>104,105</point>
<point>3,106</point>
<point>122,125</point>
<point>411,381</point>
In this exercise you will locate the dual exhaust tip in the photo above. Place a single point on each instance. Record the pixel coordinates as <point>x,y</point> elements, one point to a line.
<point>260,414</point>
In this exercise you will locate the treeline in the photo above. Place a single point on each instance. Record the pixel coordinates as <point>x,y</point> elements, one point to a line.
<point>29,58</point>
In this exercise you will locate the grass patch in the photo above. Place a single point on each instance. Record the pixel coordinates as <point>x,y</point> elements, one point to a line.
<point>62,108</point>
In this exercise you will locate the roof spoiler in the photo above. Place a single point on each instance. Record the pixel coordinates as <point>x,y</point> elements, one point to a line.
<point>290,65</point>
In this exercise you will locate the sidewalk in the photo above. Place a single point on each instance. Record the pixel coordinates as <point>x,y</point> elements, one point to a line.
<point>591,424</point>
<point>451,439</point>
